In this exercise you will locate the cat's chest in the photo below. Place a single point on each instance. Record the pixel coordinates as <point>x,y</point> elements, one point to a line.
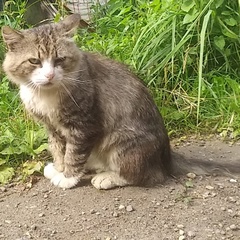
<point>46,105</point>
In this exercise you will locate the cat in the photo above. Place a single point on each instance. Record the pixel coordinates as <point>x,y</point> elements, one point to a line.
<point>99,116</point>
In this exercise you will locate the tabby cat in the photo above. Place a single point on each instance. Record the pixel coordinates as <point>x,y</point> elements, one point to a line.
<point>99,116</point>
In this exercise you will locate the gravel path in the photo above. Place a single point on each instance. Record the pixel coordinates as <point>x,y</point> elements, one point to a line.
<point>193,207</point>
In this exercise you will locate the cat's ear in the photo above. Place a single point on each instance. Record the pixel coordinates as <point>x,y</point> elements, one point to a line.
<point>11,36</point>
<point>70,24</point>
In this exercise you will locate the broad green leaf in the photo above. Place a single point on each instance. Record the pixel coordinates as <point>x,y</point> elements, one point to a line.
<point>230,21</point>
<point>219,42</point>
<point>187,5</point>
<point>2,161</point>
<point>41,148</point>
<point>31,167</point>
<point>6,174</point>
<point>191,16</point>
<point>227,32</point>
<point>218,3</point>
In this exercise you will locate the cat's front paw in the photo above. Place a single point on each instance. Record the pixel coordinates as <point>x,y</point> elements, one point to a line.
<point>61,181</point>
<point>50,171</point>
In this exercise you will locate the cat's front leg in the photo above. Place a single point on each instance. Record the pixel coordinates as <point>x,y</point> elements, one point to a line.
<point>74,160</point>
<point>57,147</point>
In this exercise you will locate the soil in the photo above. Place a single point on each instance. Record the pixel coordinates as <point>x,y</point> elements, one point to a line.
<point>202,208</point>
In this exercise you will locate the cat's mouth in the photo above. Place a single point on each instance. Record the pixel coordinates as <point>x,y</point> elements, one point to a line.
<point>45,85</point>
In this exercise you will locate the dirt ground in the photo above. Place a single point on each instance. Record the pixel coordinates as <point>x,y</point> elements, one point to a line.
<point>206,207</point>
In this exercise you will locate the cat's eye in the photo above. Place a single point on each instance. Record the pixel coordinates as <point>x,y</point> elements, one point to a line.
<point>59,60</point>
<point>35,61</point>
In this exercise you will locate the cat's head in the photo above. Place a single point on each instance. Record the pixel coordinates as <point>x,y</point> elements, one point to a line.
<point>43,56</point>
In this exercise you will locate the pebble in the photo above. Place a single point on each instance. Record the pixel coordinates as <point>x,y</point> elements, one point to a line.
<point>180,226</point>
<point>129,208</point>
<point>208,187</point>
<point>121,207</point>
<point>191,234</point>
<point>41,214</point>
<point>33,227</point>
<point>115,214</point>
<point>233,227</point>
<point>3,189</point>
<point>92,211</point>
<point>191,175</point>
<point>181,237</point>
<point>181,232</point>
<point>232,199</point>
<point>233,180</point>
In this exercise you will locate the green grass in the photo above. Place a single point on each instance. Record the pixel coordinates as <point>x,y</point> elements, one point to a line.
<point>187,53</point>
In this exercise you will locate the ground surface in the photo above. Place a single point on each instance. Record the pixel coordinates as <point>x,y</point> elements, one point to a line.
<point>209,208</point>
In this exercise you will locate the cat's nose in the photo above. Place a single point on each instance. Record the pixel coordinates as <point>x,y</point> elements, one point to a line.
<point>50,75</point>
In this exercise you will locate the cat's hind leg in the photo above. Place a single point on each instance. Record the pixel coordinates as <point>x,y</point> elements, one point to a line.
<point>108,180</point>
<point>107,166</point>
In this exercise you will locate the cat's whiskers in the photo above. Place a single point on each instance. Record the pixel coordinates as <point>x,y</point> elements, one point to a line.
<point>78,71</point>
<point>35,88</point>
<point>76,81</point>
<point>69,93</point>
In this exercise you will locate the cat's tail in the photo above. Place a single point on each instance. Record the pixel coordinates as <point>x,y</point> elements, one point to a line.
<point>182,165</point>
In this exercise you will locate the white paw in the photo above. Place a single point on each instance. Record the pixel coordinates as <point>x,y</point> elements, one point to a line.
<point>108,180</point>
<point>50,171</point>
<point>61,181</point>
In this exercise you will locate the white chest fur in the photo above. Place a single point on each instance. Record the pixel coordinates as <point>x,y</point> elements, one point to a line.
<point>45,104</point>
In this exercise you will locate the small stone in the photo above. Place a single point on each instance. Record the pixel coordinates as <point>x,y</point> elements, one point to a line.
<point>223,208</point>
<point>41,214</point>
<point>129,208</point>
<point>3,189</point>
<point>121,207</point>
<point>181,237</point>
<point>180,226</point>
<point>208,187</point>
<point>8,221</point>
<point>191,234</point>
<point>233,180</point>
<point>33,227</point>
<point>233,227</point>
<point>232,199</point>
<point>92,211</point>
<point>115,214</point>
<point>181,232</point>
<point>206,194</point>
<point>108,238</point>
<point>191,175</point>
<point>230,211</point>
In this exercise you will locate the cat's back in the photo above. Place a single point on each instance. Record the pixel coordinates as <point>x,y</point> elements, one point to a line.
<point>124,99</point>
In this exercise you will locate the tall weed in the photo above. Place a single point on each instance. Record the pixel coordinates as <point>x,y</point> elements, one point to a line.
<point>177,47</point>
